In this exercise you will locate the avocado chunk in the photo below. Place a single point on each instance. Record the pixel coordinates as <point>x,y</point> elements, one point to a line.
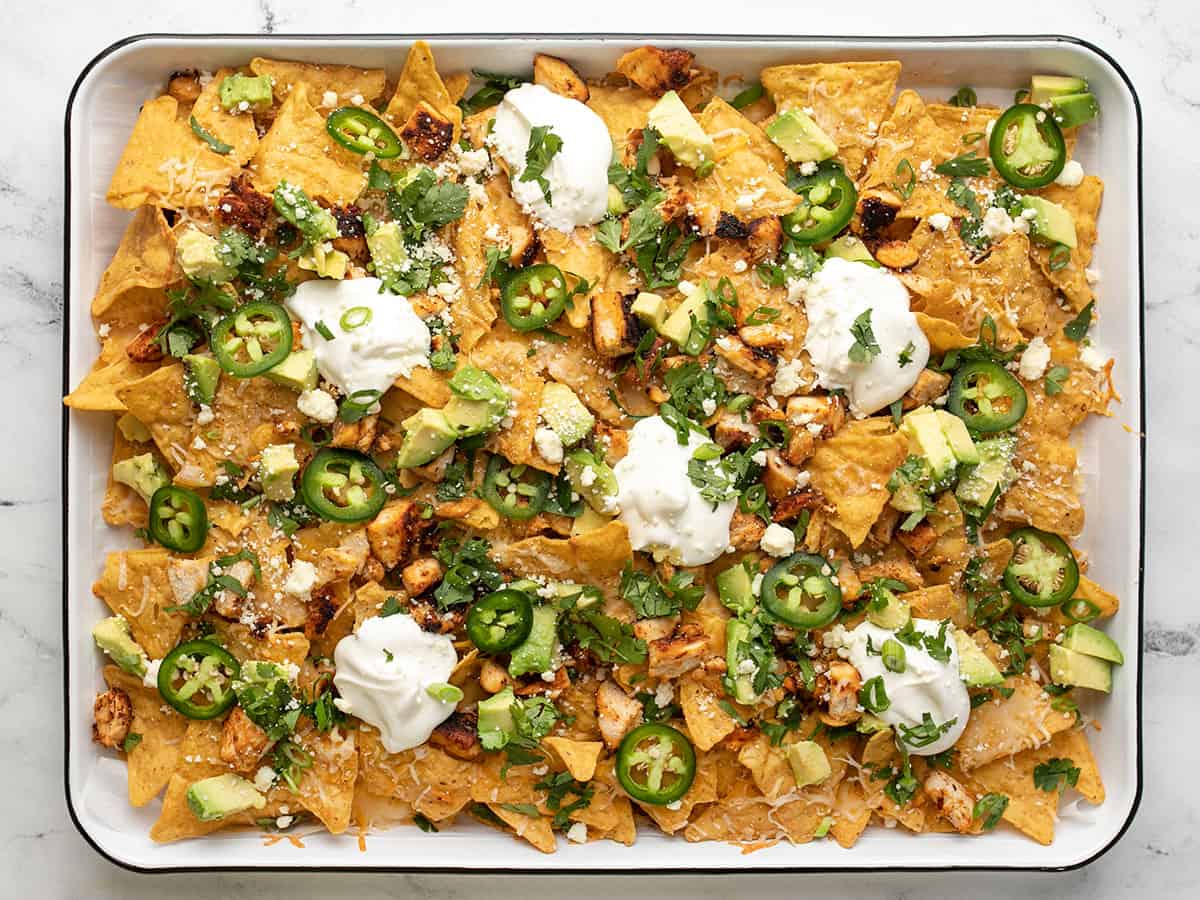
<point>908,483</point>
<point>221,796</point>
<point>112,635</point>
<point>680,131</point>
<point>1077,669</point>
<point>143,473</point>
<point>923,429</point>
<point>1051,224</point>
<point>1092,642</point>
<point>737,636</point>
<point>851,248</point>
<point>133,429</point>
<point>650,309</point>
<point>1073,110</point>
<point>809,763</point>
<point>480,402</point>
<point>565,414</point>
<point>870,724</point>
<point>974,668</point>
<point>679,324</point>
<point>957,436</point>
<point>325,261</point>
<point>277,466</point>
<point>616,201</point>
<point>388,253</point>
<point>536,653</point>
<point>201,376</point>
<point>893,613</point>
<point>593,479</point>
<point>253,90</point>
<point>197,255</point>
<point>995,469</point>
<point>1044,87</point>
<point>588,520</point>
<point>495,725</point>
<point>427,433</point>
<point>297,371</point>
<point>735,586</point>
<point>800,138</point>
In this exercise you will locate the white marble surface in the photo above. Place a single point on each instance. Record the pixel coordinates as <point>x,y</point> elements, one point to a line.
<point>44,46</point>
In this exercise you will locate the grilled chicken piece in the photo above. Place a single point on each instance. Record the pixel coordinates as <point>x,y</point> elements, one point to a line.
<point>244,207</point>
<point>656,70</point>
<point>557,75</point>
<point>113,714</point>
<point>458,735</point>
<point>420,575</point>
<point>952,801</point>
<point>928,387</point>
<point>427,132</point>
<point>395,533</point>
<point>616,713</point>
<point>185,87</point>
<point>683,651</point>
<point>743,358</point>
<point>764,239</point>
<point>242,742</point>
<point>745,530</point>
<point>789,508</point>
<point>615,330</point>
<point>844,683</point>
<point>145,347</point>
<point>919,540</point>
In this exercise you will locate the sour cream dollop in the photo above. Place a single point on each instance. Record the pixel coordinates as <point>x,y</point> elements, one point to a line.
<point>390,341</point>
<point>836,295</point>
<point>662,509</point>
<point>383,671</point>
<point>577,174</point>
<point>925,686</point>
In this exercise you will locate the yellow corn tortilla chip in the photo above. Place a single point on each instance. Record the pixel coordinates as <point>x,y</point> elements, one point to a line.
<point>436,784</point>
<point>274,646</point>
<point>624,109</point>
<point>575,364</point>
<point>166,164</point>
<point>580,254</point>
<point>134,585</point>
<point>852,469</point>
<point>847,99</point>
<point>143,266</point>
<point>122,504</point>
<point>938,602</point>
<point>456,85</point>
<point>326,788</point>
<point>1004,726</point>
<point>1044,494</point>
<point>707,723</point>
<point>943,335</point>
<point>578,757</point>
<point>768,767</point>
<point>502,350</point>
<point>1083,203</point>
<point>420,81</point>
<point>156,756</point>
<point>851,815</point>
<point>237,130</point>
<point>595,558</point>
<point>534,829</point>
<point>100,389</point>
<point>300,151</point>
<point>348,82</point>
<point>702,791</point>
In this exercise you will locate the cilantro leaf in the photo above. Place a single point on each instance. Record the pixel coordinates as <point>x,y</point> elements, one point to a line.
<point>1077,329</point>
<point>990,808</point>
<point>544,145</point>
<point>865,347</point>
<point>969,165</point>
<point>1055,774</point>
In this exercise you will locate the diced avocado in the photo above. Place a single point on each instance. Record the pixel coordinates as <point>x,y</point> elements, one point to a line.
<point>687,141</point>
<point>678,326</point>
<point>479,404</point>
<point>978,483</point>
<point>495,725</point>
<point>277,466</point>
<point>112,635</point>
<point>427,433</point>
<point>143,473</point>
<point>809,763</point>
<point>565,414</point>
<point>870,724</point>
<point>298,371</point>
<point>1092,642</point>
<point>588,520</point>
<point>737,634</point>
<point>1071,667</point>
<point>1052,224</point>
<point>957,436</point>
<point>736,588</point>
<point>974,668</point>
<point>197,255</point>
<point>1043,87</point>
<point>616,201</point>
<point>536,652</point>
<point>201,375</point>
<point>133,429</point>
<point>800,138</point>
<point>388,253</point>
<point>651,310</point>
<point>923,429</point>
<point>325,261</point>
<point>893,615</point>
<point>1073,110</point>
<point>851,248</point>
<point>221,796</point>
<point>253,90</point>
<point>907,498</point>
<point>593,479</point>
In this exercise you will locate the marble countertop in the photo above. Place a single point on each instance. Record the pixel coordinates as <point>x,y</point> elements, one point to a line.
<point>46,43</point>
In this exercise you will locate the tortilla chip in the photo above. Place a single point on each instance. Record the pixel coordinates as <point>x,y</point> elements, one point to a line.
<point>436,784</point>
<point>300,151</point>
<point>166,164</point>
<point>1044,494</point>
<point>1004,726</point>
<point>100,389</point>
<point>136,278</point>
<point>274,646</point>
<point>595,558</point>
<point>237,130</point>
<point>420,81</point>
<point>579,254</point>
<point>456,85</point>
<point>578,757</point>
<point>535,829</point>
<point>326,788</point>
<point>1083,203</point>
<point>156,756</point>
<point>851,470</point>
<point>703,790</point>
<point>938,602</point>
<point>122,504</point>
<point>707,723</point>
<point>851,815</point>
<point>943,335</point>
<point>353,86</point>
<point>847,99</point>
<point>743,815</point>
<point>769,768</point>
<point>134,585</point>
<point>624,109</point>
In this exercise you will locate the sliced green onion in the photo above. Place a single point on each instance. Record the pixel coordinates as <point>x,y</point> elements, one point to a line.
<point>356,317</point>
<point>358,404</point>
<point>323,330</point>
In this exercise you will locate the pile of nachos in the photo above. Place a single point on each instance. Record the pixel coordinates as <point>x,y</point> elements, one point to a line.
<point>581,456</point>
